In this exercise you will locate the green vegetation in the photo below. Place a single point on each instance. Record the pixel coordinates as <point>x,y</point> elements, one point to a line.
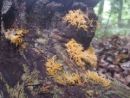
<point>114,17</point>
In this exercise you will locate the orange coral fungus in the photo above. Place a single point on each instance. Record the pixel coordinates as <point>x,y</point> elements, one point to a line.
<point>68,78</point>
<point>75,52</point>
<point>94,77</point>
<point>15,36</point>
<point>52,66</point>
<point>79,56</point>
<point>78,19</point>
<point>90,56</point>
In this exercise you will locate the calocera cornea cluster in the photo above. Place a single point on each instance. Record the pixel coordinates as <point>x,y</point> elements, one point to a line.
<point>15,36</point>
<point>80,56</point>
<point>80,20</point>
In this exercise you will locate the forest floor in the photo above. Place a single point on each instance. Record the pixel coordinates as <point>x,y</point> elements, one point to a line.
<point>114,57</point>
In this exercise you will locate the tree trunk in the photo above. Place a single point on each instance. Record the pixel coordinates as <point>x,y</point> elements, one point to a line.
<point>100,11</point>
<point>120,12</point>
<point>0,14</point>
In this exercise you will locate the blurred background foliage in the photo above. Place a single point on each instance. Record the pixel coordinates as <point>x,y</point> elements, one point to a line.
<point>114,17</point>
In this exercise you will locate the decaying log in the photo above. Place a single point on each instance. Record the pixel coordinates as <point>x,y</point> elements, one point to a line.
<point>23,72</point>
